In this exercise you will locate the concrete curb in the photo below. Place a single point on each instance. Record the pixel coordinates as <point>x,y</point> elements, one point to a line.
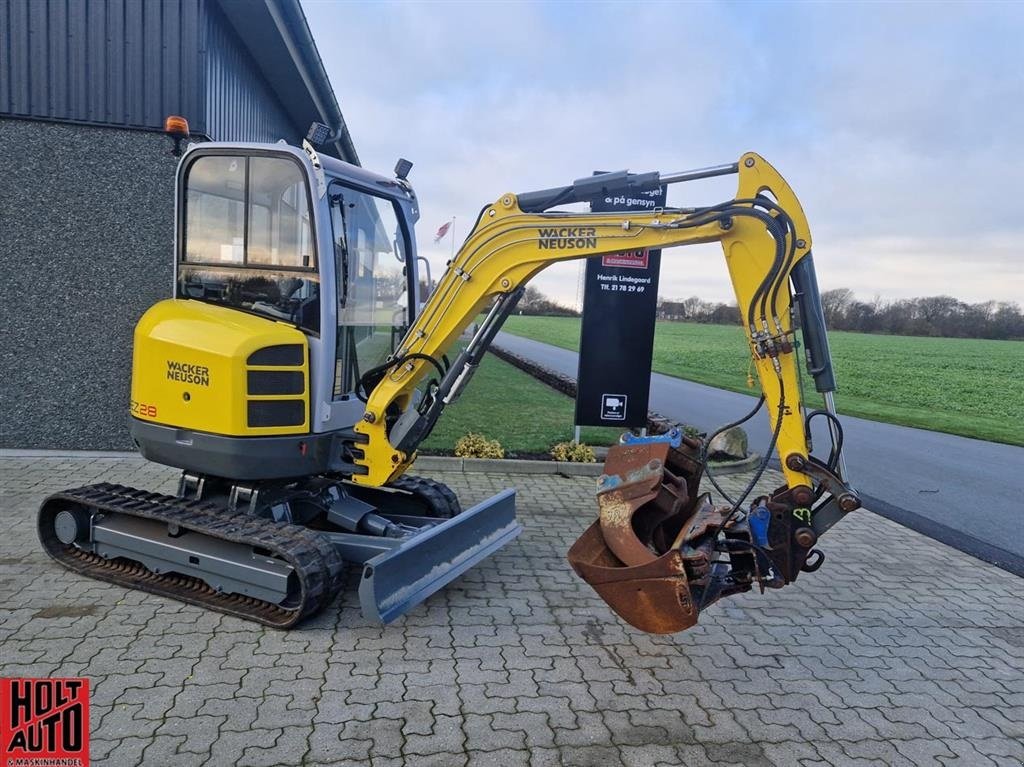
<point>428,463</point>
<point>721,468</point>
<point>507,466</point>
<point>521,466</point>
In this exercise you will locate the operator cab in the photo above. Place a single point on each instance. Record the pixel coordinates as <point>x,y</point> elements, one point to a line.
<point>304,239</point>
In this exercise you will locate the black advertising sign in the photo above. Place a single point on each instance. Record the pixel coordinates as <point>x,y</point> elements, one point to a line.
<point>620,300</point>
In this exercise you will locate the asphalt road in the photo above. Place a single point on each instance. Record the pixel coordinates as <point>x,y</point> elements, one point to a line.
<point>964,492</point>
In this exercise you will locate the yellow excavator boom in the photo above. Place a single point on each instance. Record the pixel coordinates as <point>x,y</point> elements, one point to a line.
<point>508,247</point>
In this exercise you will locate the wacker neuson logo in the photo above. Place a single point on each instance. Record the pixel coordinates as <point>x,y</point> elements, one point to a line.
<point>567,238</point>
<point>44,722</point>
<point>185,372</point>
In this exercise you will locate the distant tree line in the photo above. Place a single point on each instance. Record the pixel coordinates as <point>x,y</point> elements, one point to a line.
<point>930,316</point>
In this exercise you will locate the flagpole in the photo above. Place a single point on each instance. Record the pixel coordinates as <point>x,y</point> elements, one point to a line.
<point>453,238</point>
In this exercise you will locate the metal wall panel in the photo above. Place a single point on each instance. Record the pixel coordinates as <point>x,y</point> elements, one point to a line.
<point>132,63</point>
<point>17,54</point>
<point>112,62</point>
<point>240,106</point>
<point>75,75</point>
<point>153,90</point>
<point>5,54</point>
<point>37,63</point>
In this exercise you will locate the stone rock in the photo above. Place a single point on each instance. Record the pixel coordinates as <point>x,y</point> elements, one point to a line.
<point>731,444</point>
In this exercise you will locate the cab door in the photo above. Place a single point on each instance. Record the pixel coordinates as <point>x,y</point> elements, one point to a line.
<point>375,282</point>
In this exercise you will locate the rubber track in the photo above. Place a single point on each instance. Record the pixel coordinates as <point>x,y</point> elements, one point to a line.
<point>317,565</point>
<point>443,502</point>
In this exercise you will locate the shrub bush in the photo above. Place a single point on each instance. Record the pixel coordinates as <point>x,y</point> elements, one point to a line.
<point>691,431</point>
<point>573,452</point>
<point>478,446</point>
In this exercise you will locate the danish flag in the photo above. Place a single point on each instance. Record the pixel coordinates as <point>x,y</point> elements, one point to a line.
<point>442,231</point>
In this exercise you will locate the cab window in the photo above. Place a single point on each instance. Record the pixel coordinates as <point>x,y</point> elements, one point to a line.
<point>247,239</point>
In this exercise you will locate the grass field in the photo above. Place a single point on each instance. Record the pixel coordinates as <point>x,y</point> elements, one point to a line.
<point>970,387</point>
<point>504,403</point>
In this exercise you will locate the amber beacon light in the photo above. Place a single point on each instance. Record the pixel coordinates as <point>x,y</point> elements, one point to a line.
<point>176,127</point>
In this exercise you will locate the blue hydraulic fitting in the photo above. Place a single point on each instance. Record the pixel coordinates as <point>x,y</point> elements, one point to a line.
<point>674,438</point>
<point>760,518</point>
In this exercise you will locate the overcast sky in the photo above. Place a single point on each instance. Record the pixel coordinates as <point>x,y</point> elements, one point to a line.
<point>899,126</point>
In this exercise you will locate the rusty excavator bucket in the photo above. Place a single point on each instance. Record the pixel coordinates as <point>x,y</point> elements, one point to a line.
<point>650,553</point>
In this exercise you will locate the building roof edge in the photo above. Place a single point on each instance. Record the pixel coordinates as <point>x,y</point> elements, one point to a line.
<point>294,28</point>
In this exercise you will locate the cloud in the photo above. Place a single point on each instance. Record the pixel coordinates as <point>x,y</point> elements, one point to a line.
<point>898,128</point>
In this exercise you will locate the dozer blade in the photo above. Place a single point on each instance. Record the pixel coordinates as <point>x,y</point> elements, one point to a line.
<point>649,554</point>
<point>399,579</point>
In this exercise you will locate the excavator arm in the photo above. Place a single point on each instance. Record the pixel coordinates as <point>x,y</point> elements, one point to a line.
<point>767,246</point>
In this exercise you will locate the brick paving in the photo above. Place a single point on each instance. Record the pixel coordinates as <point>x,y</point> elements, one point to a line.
<point>899,651</point>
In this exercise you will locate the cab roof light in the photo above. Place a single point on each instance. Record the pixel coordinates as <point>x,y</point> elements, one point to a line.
<point>318,134</point>
<point>402,168</point>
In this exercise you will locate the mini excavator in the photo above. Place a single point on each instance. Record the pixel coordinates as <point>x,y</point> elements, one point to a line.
<point>295,371</point>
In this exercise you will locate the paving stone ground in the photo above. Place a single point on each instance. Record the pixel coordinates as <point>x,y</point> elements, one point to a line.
<point>899,651</point>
